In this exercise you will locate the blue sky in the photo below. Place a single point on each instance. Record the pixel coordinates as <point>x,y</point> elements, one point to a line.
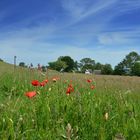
<point>39,31</point>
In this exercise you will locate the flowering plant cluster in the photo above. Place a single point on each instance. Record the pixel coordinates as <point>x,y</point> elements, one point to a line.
<point>69,89</point>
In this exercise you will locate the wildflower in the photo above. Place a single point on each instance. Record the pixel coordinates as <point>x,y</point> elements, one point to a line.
<point>46,81</point>
<point>92,87</point>
<point>30,94</point>
<point>35,83</point>
<point>89,80</point>
<point>69,89</point>
<point>42,84</point>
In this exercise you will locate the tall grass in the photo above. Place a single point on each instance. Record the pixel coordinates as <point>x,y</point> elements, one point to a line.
<point>52,115</point>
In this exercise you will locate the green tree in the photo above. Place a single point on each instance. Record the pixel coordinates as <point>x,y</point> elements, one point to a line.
<point>1,60</point>
<point>22,64</point>
<point>87,63</point>
<point>98,66</point>
<point>128,62</point>
<point>69,63</point>
<point>43,68</point>
<point>119,69</point>
<point>57,65</point>
<point>131,59</point>
<point>136,69</point>
<point>107,69</point>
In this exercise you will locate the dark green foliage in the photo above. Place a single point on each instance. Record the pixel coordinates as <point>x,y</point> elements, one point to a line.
<point>57,65</point>
<point>63,62</point>
<point>107,69</point>
<point>22,64</point>
<point>128,62</point>
<point>119,69</point>
<point>1,60</point>
<point>43,69</point>
<point>98,66</point>
<point>69,62</point>
<point>136,69</point>
<point>130,59</point>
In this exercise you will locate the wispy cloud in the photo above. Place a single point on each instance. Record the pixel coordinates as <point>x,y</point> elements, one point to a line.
<point>129,37</point>
<point>44,52</point>
<point>129,5</point>
<point>79,10</point>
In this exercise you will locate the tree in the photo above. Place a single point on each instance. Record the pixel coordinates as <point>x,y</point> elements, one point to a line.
<point>98,66</point>
<point>131,59</point>
<point>128,62</point>
<point>22,64</point>
<point>136,69</point>
<point>57,65</point>
<point>107,69</point>
<point>69,63</point>
<point>87,63</point>
<point>76,65</point>
<point>1,60</point>
<point>43,68</point>
<point>119,69</point>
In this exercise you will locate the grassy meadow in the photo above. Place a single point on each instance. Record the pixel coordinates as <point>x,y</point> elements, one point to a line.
<point>110,111</point>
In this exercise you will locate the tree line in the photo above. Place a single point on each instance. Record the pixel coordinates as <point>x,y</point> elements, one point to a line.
<point>130,65</point>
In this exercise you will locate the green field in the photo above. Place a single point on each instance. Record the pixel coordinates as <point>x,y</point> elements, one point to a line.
<point>111,111</point>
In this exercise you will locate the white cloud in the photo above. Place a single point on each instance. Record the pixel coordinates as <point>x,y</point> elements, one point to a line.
<point>38,52</point>
<point>128,37</point>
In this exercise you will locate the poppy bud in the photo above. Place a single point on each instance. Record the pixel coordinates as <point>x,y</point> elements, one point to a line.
<point>35,83</point>
<point>30,94</point>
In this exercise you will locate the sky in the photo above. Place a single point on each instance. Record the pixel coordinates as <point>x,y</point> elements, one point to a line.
<point>39,31</point>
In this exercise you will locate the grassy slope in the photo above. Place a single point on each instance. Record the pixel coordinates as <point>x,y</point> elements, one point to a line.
<point>5,67</point>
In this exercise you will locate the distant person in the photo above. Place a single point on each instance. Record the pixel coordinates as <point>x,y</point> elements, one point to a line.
<point>31,66</point>
<point>39,67</point>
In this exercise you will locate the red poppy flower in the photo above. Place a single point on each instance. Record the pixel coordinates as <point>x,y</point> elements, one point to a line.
<point>42,84</point>
<point>72,89</point>
<point>46,81</point>
<point>92,87</point>
<point>35,83</point>
<point>69,89</point>
<point>30,94</point>
<point>89,80</point>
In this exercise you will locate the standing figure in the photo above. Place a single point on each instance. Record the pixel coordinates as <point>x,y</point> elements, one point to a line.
<point>39,67</point>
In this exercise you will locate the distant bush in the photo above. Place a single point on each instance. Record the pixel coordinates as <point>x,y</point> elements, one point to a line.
<point>22,64</point>
<point>44,69</point>
<point>1,60</point>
